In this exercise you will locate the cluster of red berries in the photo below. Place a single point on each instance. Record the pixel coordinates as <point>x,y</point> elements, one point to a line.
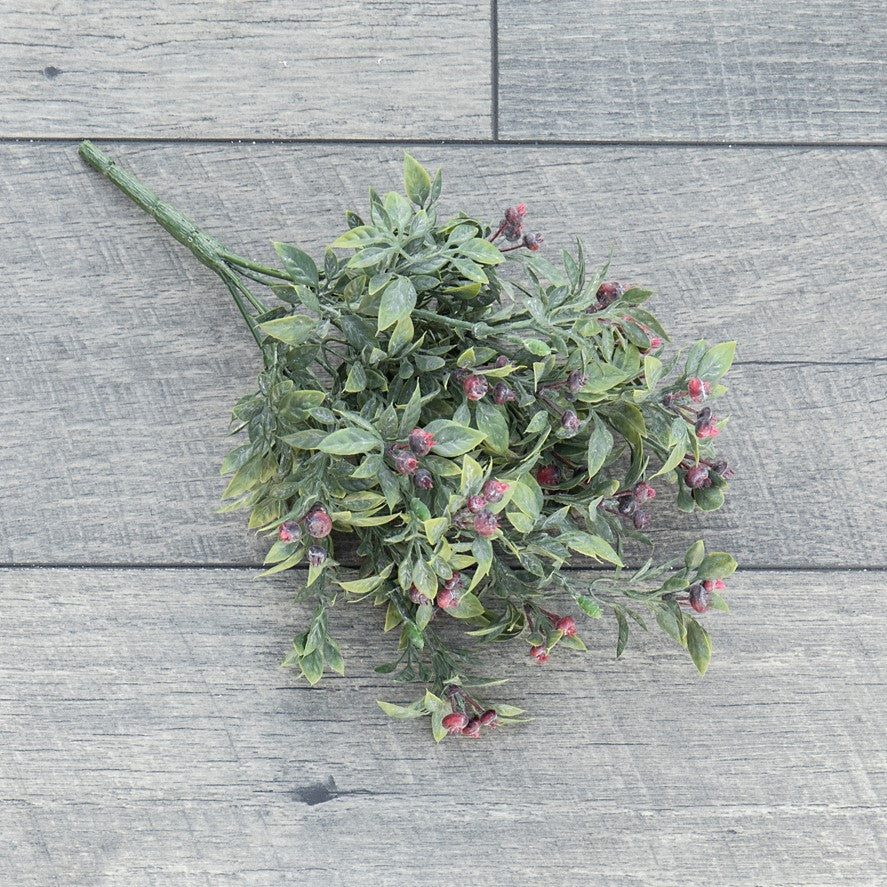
<point>564,624</point>
<point>475,514</point>
<point>459,723</point>
<point>512,229</point>
<point>698,390</point>
<point>629,502</point>
<point>448,597</point>
<point>318,525</point>
<point>405,458</point>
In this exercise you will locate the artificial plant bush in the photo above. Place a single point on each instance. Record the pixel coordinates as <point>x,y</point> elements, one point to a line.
<point>466,432</point>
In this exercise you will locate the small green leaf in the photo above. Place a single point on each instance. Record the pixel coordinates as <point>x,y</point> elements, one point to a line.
<point>398,300</point>
<point>492,422</point>
<point>717,565</point>
<point>600,443</point>
<point>716,362</point>
<point>348,441</point>
<point>695,554</point>
<point>453,439</point>
<point>622,639</point>
<point>294,329</point>
<point>298,264</point>
<point>468,607</point>
<point>589,607</point>
<point>479,250</point>
<point>591,546</point>
<point>399,711</point>
<point>416,181</point>
<point>537,347</point>
<point>698,645</point>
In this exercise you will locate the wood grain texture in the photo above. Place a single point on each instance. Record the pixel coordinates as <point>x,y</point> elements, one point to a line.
<point>203,68</point>
<point>122,356</point>
<point>149,738</point>
<point>730,70</point>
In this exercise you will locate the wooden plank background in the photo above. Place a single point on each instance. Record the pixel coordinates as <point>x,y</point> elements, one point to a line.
<point>146,733</point>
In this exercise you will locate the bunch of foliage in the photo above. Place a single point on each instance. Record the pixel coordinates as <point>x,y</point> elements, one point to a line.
<point>466,434</point>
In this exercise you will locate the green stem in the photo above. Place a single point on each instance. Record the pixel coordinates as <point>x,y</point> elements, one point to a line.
<point>207,250</point>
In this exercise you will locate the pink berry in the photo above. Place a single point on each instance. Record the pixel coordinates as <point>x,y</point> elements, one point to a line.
<point>698,389</point>
<point>608,293</point>
<point>643,492</point>
<point>472,729</point>
<point>699,598</point>
<point>475,387</point>
<point>576,382</point>
<point>417,597</point>
<point>501,361</point>
<point>486,523</point>
<point>455,723</point>
<point>503,394</point>
<point>548,476</point>
<point>455,582</point>
<point>655,343</point>
<point>489,717</point>
<point>421,442</point>
<point>532,240</point>
<point>446,599</point>
<point>318,523</point>
<point>289,531</point>
<point>570,422</point>
<point>404,461</point>
<point>316,555</point>
<point>566,624</point>
<point>697,477</point>
<point>423,480</point>
<point>476,503</point>
<point>539,653</point>
<point>494,491</point>
<point>720,585</point>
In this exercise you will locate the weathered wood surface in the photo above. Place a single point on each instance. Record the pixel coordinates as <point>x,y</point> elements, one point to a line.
<point>149,737</point>
<point>734,71</point>
<point>201,68</point>
<point>122,356</point>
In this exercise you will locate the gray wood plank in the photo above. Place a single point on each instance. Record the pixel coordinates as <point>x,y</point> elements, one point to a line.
<point>714,71</point>
<point>148,737</point>
<point>199,68</point>
<point>122,356</point>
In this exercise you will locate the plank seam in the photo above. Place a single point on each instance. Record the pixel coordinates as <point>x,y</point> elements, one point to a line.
<point>469,143</point>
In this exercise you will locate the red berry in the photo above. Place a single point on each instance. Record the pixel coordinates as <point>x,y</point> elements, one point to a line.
<point>316,555</point>
<point>404,461</point>
<point>548,476</point>
<point>494,491</point>
<point>566,624</point>
<point>503,394</point>
<point>642,520</point>
<point>289,531</point>
<point>514,214</point>
<point>697,477</point>
<point>486,523</point>
<point>475,387</point>
<point>455,582</point>
<point>417,597</point>
<point>655,343</point>
<point>421,442</point>
<point>489,717</point>
<point>472,728</point>
<point>455,723</point>
<point>707,431</point>
<point>570,422</point>
<point>608,293</point>
<point>476,503</point>
<point>699,598</point>
<point>463,518</point>
<point>576,382</point>
<point>540,654</point>
<point>446,599</point>
<point>643,492</point>
<point>423,480</point>
<point>318,523</point>
<point>532,240</point>
<point>709,585</point>
<point>698,389</point>
<point>720,585</point>
<point>501,361</point>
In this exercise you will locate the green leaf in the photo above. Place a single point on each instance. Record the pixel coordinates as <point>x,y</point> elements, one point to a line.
<point>600,443</point>
<point>400,711</point>
<point>312,666</point>
<point>469,606</point>
<point>424,579</point>
<point>622,640</point>
<point>589,607</point>
<point>479,250</point>
<point>362,586</point>
<point>527,496</point>
<point>537,347</point>
<point>435,529</point>
<point>492,422</point>
<point>348,441</point>
<point>695,554</point>
<point>523,523</point>
<point>698,645</point>
<point>298,264</point>
<point>416,181</point>
<point>716,362</point>
<point>453,439</point>
<point>717,565</point>
<point>669,619</point>
<point>590,546</point>
<point>293,330</point>
<point>472,476</point>
<point>398,300</point>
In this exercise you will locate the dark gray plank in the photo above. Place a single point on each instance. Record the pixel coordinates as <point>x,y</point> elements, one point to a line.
<point>122,356</point>
<point>730,71</point>
<point>199,68</point>
<point>148,737</point>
